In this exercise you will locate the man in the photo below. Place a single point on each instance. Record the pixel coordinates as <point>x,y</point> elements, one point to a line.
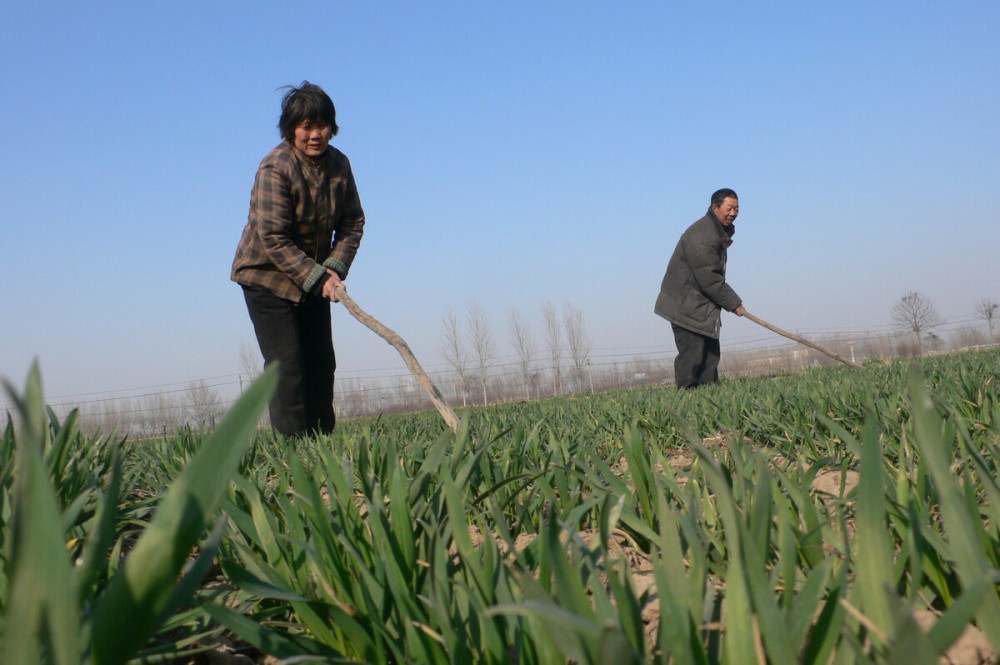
<point>694,291</point>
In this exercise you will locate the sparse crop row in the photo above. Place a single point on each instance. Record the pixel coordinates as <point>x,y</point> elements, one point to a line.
<point>833,515</point>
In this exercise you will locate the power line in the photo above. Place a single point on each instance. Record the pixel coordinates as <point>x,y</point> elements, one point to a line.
<point>161,385</point>
<point>504,362</point>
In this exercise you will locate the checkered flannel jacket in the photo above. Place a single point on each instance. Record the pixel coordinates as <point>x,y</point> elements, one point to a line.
<point>305,217</point>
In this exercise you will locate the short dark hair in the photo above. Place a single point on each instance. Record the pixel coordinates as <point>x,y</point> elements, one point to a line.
<point>305,102</point>
<point>720,195</point>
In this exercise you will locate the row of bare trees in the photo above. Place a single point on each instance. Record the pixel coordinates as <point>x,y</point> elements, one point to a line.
<point>470,349</point>
<point>554,361</point>
<point>915,313</point>
<point>199,405</point>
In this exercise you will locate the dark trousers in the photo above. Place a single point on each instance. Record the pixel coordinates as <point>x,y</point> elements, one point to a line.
<point>299,337</point>
<point>697,361</point>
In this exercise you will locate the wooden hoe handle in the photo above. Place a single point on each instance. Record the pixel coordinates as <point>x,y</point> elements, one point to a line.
<point>400,345</point>
<point>801,340</point>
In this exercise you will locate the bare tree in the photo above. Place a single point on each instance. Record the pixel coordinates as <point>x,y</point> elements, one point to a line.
<point>553,339</point>
<point>162,413</point>
<point>482,342</point>
<point>915,313</point>
<point>110,416</point>
<point>578,341</point>
<point>204,406</point>
<point>524,345</point>
<point>987,310</point>
<point>250,364</point>
<point>348,397</point>
<point>454,352</point>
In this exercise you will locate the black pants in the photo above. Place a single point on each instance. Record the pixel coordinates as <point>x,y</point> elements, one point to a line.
<point>299,337</point>
<point>697,361</point>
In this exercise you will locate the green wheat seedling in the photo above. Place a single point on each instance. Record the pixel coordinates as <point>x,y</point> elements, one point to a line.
<point>830,516</point>
<point>60,611</point>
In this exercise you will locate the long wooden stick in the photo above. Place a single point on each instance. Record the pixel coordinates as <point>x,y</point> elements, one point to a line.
<point>400,345</point>
<point>802,340</point>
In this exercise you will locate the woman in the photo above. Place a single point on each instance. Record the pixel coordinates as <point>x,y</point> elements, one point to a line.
<point>304,228</point>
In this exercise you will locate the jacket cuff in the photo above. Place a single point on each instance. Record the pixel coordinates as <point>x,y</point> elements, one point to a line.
<point>336,265</point>
<point>314,276</point>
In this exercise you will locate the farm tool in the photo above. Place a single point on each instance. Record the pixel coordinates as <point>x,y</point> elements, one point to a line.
<point>802,340</point>
<point>403,348</point>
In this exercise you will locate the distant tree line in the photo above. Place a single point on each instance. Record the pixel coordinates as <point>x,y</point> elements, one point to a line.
<point>470,348</point>
<point>485,368</point>
<point>915,313</point>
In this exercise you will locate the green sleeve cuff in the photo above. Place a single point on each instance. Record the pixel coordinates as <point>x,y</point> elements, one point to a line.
<point>314,276</point>
<point>336,265</point>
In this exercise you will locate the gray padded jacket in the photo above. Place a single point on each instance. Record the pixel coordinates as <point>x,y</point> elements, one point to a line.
<point>694,289</point>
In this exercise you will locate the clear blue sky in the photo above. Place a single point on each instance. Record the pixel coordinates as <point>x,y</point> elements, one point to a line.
<point>506,153</point>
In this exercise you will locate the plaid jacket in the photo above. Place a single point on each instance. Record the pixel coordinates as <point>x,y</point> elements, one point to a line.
<point>305,217</point>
